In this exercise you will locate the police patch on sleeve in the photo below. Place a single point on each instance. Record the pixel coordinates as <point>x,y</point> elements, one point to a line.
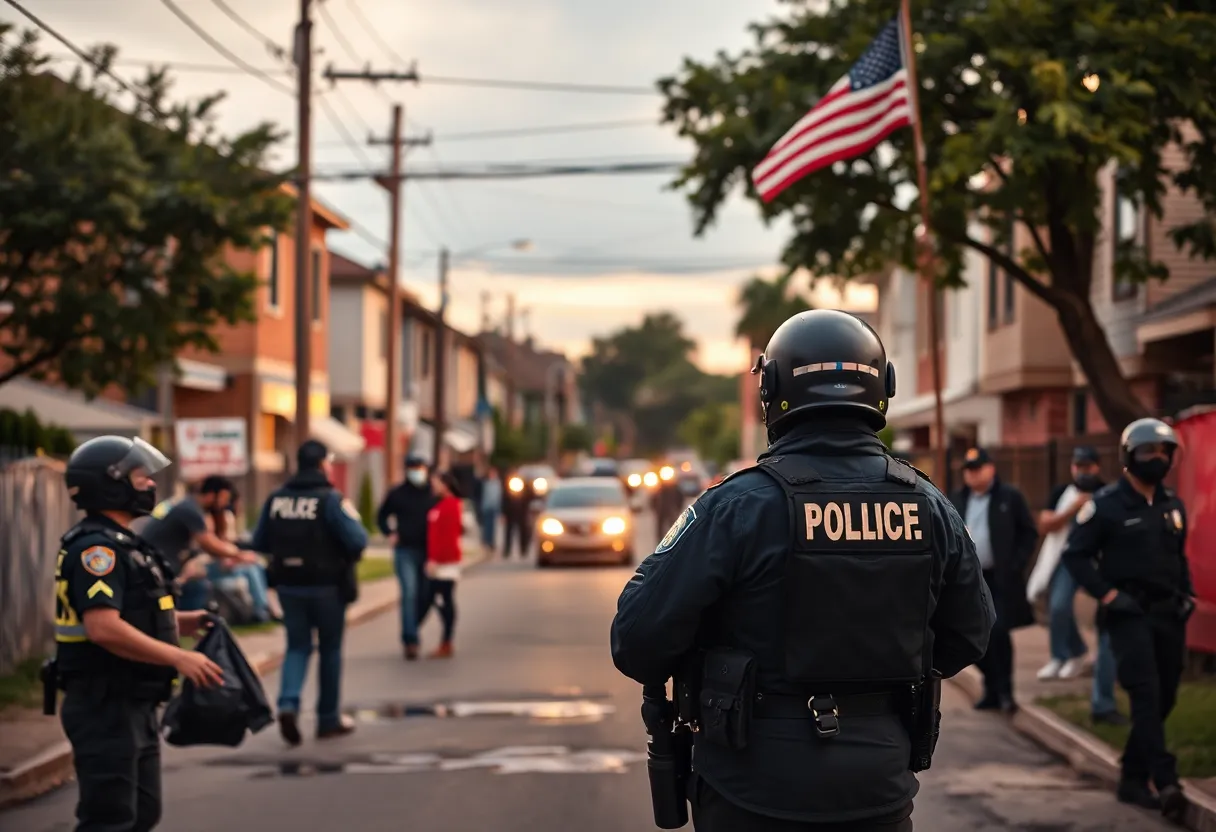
<point>351,511</point>
<point>98,560</point>
<point>1086,513</point>
<point>683,522</point>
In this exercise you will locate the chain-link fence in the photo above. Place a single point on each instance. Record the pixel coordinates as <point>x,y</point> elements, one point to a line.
<point>35,511</point>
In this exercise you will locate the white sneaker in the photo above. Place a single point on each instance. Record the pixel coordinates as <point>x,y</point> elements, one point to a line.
<point>1051,670</point>
<point>1072,668</point>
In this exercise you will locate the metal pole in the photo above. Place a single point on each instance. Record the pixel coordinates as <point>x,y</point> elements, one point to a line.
<point>304,226</point>
<point>926,262</point>
<point>441,361</point>
<point>393,385</point>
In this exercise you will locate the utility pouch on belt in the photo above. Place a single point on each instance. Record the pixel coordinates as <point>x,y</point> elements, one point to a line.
<point>728,688</point>
<point>924,719</point>
<point>50,686</point>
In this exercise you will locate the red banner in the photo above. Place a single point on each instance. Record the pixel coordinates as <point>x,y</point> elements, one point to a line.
<point>1196,483</point>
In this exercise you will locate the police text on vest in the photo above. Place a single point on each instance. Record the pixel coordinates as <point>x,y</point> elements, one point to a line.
<point>294,508</point>
<point>885,520</point>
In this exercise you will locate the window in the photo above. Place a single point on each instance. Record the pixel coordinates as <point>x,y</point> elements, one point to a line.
<point>268,433</point>
<point>424,357</point>
<point>316,284</point>
<point>994,282</point>
<point>272,281</point>
<point>1010,284</point>
<point>1126,228</point>
<point>1080,413</point>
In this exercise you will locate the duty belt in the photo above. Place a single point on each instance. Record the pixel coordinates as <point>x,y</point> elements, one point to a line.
<point>824,710</point>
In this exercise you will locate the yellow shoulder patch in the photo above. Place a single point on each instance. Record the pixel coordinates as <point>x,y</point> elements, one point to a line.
<point>102,587</point>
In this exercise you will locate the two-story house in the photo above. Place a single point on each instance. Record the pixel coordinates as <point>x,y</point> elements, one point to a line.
<point>539,387</point>
<point>253,375</point>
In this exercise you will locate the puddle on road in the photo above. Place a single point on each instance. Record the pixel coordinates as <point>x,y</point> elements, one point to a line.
<point>556,709</point>
<point>541,759</point>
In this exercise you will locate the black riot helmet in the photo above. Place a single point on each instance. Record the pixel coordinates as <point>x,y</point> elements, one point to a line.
<point>99,472</point>
<point>1137,445</point>
<point>824,361</point>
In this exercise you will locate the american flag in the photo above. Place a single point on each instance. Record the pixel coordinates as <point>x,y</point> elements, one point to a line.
<point>859,111</point>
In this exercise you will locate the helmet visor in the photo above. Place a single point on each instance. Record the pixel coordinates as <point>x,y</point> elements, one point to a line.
<point>142,456</point>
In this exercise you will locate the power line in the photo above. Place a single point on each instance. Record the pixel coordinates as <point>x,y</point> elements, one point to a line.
<point>346,46</point>
<point>412,74</point>
<point>225,51</point>
<point>514,172</point>
<point>362,20</point>
<point>584,127</point>
<point>269,42</point>
<point>80,54</point>
<point>341,127</point>
<point>459,81</point>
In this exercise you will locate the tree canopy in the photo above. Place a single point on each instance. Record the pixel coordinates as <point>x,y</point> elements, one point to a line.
<point>764,306</point>
<point>1015,138</point>
<point>114,223</point>
<point>646,374</point>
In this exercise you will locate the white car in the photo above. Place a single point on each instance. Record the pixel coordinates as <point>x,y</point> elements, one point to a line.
<point>585,519</point>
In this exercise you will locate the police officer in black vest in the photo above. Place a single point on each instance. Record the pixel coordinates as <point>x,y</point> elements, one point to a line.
<point>1128,550</point>
<point>807,608</point>
<point>116,629</point>
<point>314,539</point>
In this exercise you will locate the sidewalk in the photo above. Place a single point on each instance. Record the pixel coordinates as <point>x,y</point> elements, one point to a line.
<point>35,756</point>
<point>1080,749</point>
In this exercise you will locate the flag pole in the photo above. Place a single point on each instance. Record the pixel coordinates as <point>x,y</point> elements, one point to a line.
<point>925,260</point>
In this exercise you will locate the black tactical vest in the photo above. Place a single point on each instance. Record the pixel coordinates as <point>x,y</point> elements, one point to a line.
<point>858,576</point>
<point>303,551</point>
<point>148,606</point>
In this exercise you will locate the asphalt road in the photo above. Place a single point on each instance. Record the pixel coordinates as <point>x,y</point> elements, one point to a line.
<point>542,735</point>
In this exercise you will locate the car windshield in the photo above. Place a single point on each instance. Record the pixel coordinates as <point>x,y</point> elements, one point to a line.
<point>532,472</point>
<point>585,496</point>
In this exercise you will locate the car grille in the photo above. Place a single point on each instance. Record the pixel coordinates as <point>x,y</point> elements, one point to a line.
<point>581,528</point>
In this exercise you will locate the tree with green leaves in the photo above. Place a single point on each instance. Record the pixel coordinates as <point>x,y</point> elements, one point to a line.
<point>117,222</point>
<point>713,430</point>
<point>1023,105</point>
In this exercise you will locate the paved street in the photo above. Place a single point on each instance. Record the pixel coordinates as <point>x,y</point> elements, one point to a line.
<point>543,736</point>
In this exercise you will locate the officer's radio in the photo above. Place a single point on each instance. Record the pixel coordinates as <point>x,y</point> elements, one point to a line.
<point>668,758</point>
<point>50,686</point>
<point>924,721</point>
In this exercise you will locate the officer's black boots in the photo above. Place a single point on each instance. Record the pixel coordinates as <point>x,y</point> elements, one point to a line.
<point>1173,803</point>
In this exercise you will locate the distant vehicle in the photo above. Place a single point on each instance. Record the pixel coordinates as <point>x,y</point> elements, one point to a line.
<point>530,483</point>
<point>585,519</point>
<point>640,478</point>
<point>599,466</point>
<point>690,476</point>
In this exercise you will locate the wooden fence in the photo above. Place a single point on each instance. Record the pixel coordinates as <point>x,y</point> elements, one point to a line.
<point>35,511</point>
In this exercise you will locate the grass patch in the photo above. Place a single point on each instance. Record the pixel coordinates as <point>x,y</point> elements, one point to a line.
<point>373,569</point>
<point>1190,731</point>
<point>23,687</point>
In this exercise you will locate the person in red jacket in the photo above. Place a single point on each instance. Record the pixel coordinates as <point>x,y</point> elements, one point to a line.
<point>444,530</point>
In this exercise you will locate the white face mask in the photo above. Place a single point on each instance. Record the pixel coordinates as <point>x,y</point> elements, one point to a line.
<point>416,476</point>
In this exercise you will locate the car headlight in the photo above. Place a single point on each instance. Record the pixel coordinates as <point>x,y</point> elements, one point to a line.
<point>651,479</point>
<point>515,484</point>
<point>666,472</point>
<point>552,526</point>
<point>540,485</point>
<point>614,525</point>
<point>634,480</point>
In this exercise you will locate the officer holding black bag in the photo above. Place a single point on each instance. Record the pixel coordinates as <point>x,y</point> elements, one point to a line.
<point>116,633</point>
<point>807,609</point>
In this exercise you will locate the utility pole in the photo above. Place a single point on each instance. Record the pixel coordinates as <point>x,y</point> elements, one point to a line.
<point>303,44</point>
<point>441,351</point>
<point>394,307</point>
<point>485,310</point>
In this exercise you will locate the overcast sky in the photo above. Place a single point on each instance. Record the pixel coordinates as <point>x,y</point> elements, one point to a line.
<point>605,250</point>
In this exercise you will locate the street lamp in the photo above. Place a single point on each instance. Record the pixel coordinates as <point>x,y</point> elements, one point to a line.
<point>445,257</point>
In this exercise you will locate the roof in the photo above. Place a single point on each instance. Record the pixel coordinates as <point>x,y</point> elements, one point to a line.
<point>70,409</point>
<point>1197,297</point>
<point>527,366</point>
<point>345,270</point>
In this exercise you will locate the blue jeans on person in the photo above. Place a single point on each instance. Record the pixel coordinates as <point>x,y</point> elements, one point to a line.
<point>307,609</point>
<point>255,577</point>
<point>489,527</point>
<point>1064,637</point>
<point>1102,698</point>
<point>407,563</point>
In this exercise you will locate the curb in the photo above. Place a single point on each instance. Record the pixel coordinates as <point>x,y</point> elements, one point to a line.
<point>1085,753</point>
<point>53,767</point>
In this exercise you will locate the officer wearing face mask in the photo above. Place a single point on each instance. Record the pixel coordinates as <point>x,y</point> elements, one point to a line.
<point>402,519</point>
<point>116,634</point>
<point>1127,550</point>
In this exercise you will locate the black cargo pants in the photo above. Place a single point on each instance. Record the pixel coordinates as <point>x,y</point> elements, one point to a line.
<point>116,749</point>
<point>711,812</point>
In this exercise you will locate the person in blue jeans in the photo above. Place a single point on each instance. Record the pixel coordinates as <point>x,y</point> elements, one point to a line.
<point>402,518</point>
<point>315,539</point>
<point>489,508</point>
